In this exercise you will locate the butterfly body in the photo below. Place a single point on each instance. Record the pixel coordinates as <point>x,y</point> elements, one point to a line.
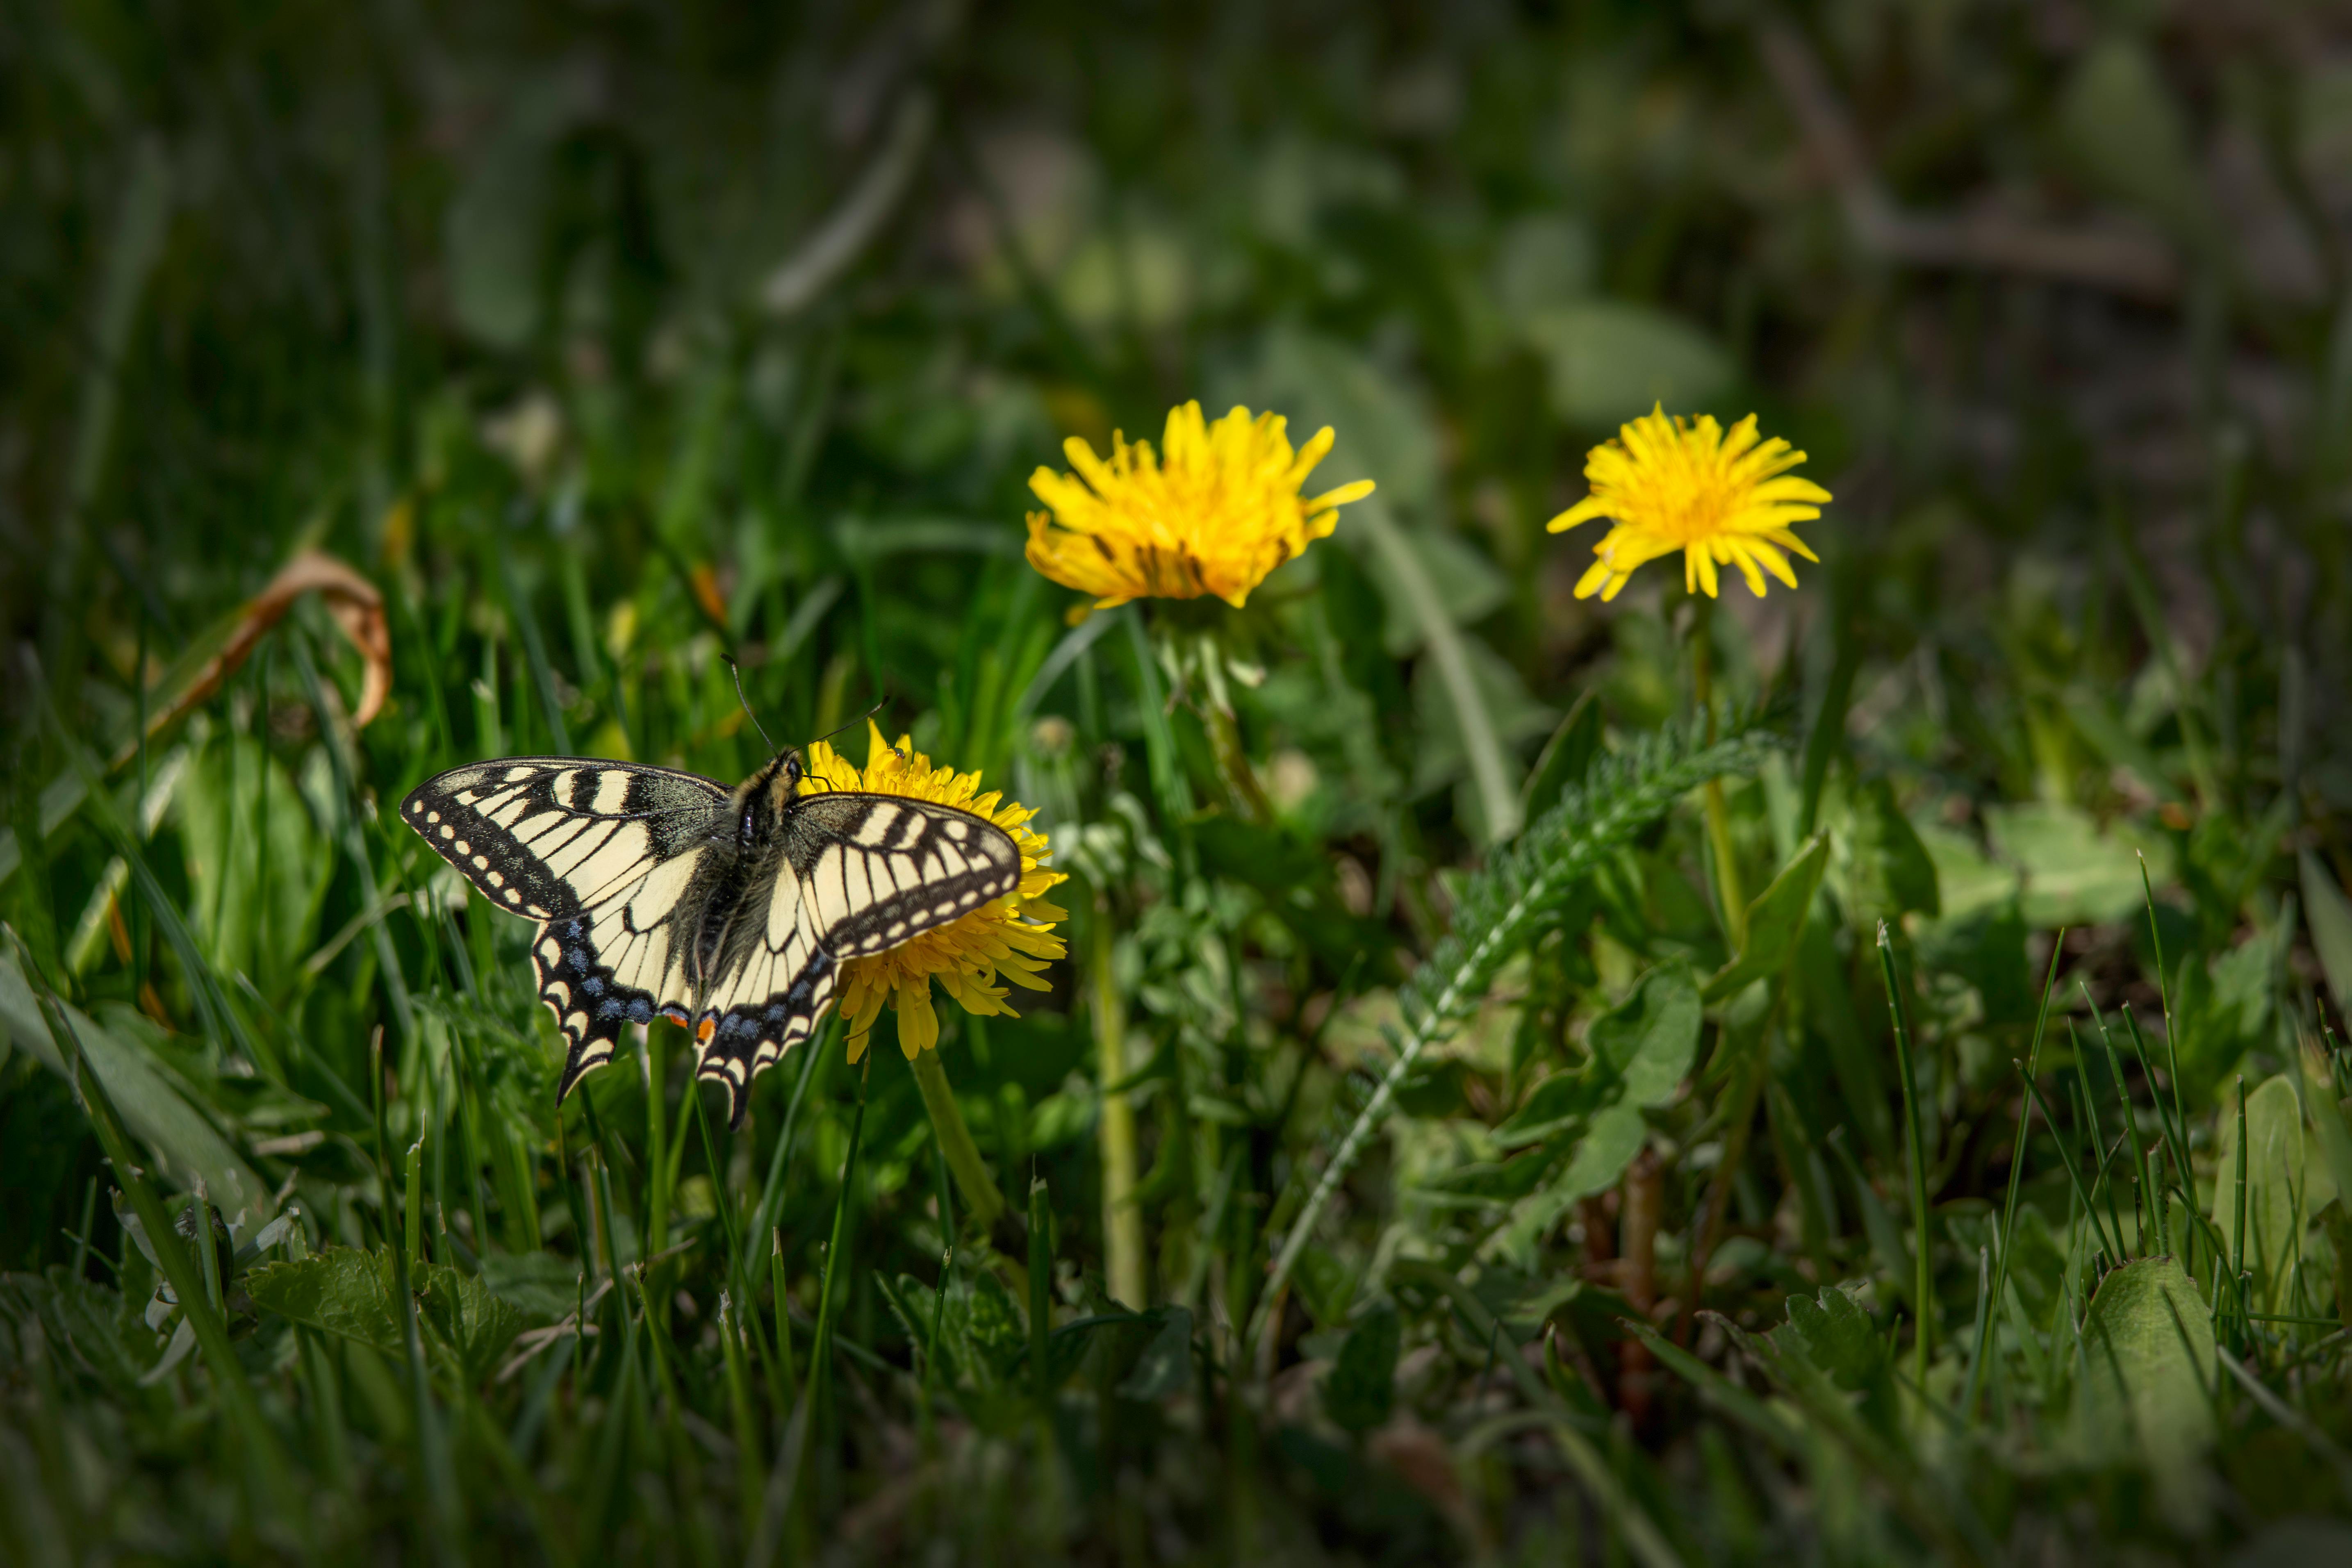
<point>662,893</point>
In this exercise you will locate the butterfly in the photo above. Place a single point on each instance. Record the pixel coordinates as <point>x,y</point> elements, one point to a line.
<point>661,893</point>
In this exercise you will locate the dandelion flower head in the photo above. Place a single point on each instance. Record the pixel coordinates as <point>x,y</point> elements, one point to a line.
<point>1008,940</point>
<point>1722,498</point>
<point>1212,511</point>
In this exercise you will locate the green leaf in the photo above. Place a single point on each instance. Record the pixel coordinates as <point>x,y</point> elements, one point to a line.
<point>178,1136</point>
<point>2075,874</point>
<point>1489,1182</point>
<point>339,1291</point>
<point>1165,1367</point>
<point>1607,1146</point>
<point>1649,1038</point>
<point>1832,1332</point>
<point>1968,880</point>
<point>1542,261</point>
<point>1640,1050</point>
<point>2328,913</point>
<point>2148,1361</point>
<point>1326,1287</point>
<point>2127,132</point>
<point>538,1284</point>
<point>1360,1388</point>
<point>1607,361</point>
<point>476,1325</point>
<point>1554,1105</point>
<point>2288,1182</point>
<point>1885,871</point>
<point>994,1324</point>
<point>1776,920</point>
<point>1566,758</point>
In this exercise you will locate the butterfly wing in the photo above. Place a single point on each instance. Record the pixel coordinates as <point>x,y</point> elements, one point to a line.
<point>856,874</point>
<point>613,860</point>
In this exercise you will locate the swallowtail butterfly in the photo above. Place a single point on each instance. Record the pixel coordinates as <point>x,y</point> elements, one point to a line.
<point>661,893</point>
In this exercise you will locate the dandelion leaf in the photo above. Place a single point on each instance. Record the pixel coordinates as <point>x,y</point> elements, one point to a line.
<point>2148,1362</point>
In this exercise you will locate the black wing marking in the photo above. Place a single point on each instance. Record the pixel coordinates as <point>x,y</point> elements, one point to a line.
<point>859,874</point>
<point>605,855</point>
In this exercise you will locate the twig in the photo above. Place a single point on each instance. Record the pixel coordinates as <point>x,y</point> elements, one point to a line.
<point>1985,238</point>
<point>809,271</point>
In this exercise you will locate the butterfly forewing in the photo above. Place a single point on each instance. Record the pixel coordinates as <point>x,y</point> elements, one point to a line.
<point>603,855</point>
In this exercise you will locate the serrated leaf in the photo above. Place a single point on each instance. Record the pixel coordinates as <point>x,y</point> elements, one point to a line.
<point>337,1290</point>
<point>993,1324</point>
<point>539,1284</point>
<point>1835,1334</point>
<point>461,1313</point>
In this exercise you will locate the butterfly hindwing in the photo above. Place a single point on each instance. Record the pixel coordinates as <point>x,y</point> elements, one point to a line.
<point>605,855</point>
<point>876,869</point>
<point>858,874</point>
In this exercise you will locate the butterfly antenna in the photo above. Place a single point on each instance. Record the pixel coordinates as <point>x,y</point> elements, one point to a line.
<point>848,724</point>
<point>738,670</point>
<point>851,724</point>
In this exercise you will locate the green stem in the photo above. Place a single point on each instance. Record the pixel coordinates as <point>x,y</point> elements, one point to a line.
<point>657,1162</point>
<point>822,1342</point>
<point>413,1206</point>
<point>1040,1298</point>
<point>1122,1220</point>
<point>749,1466</point>
<point>979,1190</point>
<point>2016,1173</point>
<point>2238,1192</point>
<point>1921,1303</point>
<point>1718,815</point>
<point>718,1194</point>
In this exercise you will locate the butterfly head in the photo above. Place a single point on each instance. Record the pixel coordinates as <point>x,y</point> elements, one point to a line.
<point>761,800</point>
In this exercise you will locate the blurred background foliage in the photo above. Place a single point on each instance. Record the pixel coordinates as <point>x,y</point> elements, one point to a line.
<point>610,342</point>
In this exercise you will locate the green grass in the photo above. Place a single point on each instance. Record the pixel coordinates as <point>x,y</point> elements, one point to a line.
<point>1970,1194</point>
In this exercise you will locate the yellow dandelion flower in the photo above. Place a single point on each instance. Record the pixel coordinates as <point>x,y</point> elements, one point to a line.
<point>1720,498</point>
<point>1214,510</point>
<point>1009,939</point>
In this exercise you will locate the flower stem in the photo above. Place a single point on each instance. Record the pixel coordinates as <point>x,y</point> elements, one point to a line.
<point>1718,815</point>
<point>978,1188</point>
<point>821,1342</point>
<point>1922,1266</point>
<point>1122,1221</point>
